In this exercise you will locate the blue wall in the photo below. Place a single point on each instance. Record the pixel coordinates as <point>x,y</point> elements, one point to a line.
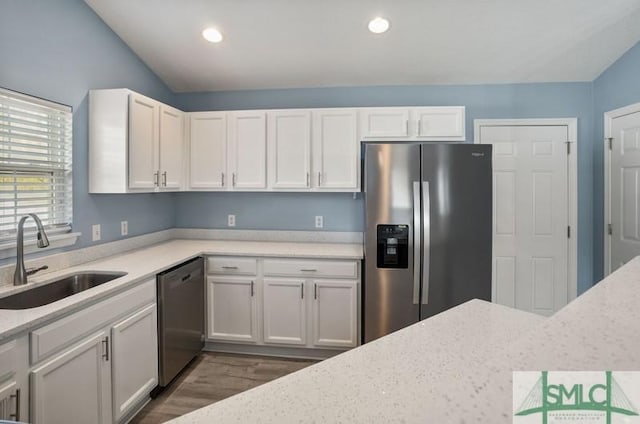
<point>618,86</point>
<point>59,50</point>
<point>341,212</point>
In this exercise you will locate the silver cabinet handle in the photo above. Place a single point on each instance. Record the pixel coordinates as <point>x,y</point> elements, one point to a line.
<point>164,178</point>
<point>426,241</point>
<point>419,127</point>
<point>308,177</point>
<point>308,270</point>
<point>252,288</point>
<point>417,231</point>
<point>315,290</point>
<point>105,343</point>
<point>302,291</point>
<point>16,415</point>
<point>229,267</point>
<point>319,178</point>
<point>406,126</point>
<point>222,174</point>
<point>156,178</point>
<point>233,179</point>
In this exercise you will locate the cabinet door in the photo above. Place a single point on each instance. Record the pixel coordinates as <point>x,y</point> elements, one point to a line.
<point>134,363</point>
<point>384,122</point>
<point>284,311</point>
<point>143,142</point>
<point>74,386</point>
<point>336,149</point>
<point>335,313</point>
<point>10,400</point>
<point>248,150</point>
<point>289,149</point>
<point>208,150</point>
<point>231,309</point>
<point>171,148</point>
<point>440,123</point>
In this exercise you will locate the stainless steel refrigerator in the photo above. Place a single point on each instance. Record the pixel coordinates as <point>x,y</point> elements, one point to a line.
<point>428,231</point>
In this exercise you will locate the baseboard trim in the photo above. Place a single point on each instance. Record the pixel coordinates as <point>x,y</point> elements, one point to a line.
<point>276,351</point>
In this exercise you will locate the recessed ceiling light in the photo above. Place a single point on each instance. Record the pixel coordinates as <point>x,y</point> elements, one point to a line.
<point>378,25</point>
<point>212,35</point>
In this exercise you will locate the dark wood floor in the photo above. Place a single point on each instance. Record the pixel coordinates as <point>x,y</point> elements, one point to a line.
<point>212,377</point>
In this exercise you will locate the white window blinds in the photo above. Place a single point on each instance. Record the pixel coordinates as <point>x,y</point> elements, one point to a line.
<point>35,162</point>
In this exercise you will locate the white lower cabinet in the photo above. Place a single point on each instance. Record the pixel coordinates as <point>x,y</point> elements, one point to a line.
<point>96,365</point>
<point>73,387</point>
<point>232,309</point>
<point>134,356</point>
<point>335,320</point>
<point>284,311</point>
<point>287,303</point>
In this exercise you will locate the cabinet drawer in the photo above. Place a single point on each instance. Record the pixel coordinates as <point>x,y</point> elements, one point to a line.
<point>311,268</point>
<point>53,337</point>
<point>231,266</point>
<point>7,360</point>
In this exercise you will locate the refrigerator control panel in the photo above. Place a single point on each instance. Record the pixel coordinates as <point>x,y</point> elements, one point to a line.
<point>393,246</point>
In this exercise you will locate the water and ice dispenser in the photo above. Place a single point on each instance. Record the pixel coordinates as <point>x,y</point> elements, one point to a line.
<point>393,246</point>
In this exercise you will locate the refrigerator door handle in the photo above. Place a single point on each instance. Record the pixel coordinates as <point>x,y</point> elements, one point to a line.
<point>426,241</point>
<point>417,230</point>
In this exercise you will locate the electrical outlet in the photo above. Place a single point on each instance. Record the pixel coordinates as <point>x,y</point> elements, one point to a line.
<point>231,221</point>
<point>95,232</point>
<point>124,228</point>
<point>319,221</point>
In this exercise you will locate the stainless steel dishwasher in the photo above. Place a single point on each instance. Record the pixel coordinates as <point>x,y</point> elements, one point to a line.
<point>180,317</point>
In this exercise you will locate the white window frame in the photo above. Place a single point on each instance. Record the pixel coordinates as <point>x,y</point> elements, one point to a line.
<point>30,161</point>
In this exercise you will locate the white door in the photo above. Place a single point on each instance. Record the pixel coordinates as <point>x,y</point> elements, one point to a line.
<point>231,309</point>
<point>289,149</point>
<point>336,149</point>
<point>73,387</point>
<point>439,123</point>
<point>624,186</point>
<point>208,150</point>
<point>143,142</point>
<point>134,360</point>
<point>248,149</point>
<point>284,311</point>
<point>384,122</point>
<point>171,148</point>
<point>530,215</point>
<point>335,313</point>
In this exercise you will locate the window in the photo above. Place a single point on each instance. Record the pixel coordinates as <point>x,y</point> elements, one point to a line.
<point>35,163</point>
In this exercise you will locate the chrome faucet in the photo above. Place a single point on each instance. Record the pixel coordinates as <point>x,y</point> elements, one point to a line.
<point>20,276</point>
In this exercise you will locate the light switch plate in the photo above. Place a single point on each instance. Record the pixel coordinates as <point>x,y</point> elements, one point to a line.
<point>231,221</point>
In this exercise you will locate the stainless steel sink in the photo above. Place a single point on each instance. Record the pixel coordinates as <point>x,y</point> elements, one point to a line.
<point>56,290</point>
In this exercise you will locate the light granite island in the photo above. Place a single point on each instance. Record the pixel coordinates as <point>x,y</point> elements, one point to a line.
<point>455,367</point>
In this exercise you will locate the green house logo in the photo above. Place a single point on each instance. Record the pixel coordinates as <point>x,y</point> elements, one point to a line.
<point>570,398</point>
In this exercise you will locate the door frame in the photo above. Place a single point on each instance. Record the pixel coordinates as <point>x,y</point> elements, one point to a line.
<point>608,120</point>
<point>572,189</point>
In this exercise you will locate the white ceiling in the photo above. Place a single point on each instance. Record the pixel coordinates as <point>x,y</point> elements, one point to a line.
<point>320,43</point>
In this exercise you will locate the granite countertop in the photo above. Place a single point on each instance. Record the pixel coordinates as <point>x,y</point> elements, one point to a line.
<point>145,263</point>
<point>454,367</point>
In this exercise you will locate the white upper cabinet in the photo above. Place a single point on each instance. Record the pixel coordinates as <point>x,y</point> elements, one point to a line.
<point>336,149</point>
<point>135,143</point>
<point>208,150</point>
<point>440,123</point>
<point>446,123</point>
<point>289,139</point>
<point>384,122</point>
<point>171,148</point>
<point>143,142</point>
<point>248,150</point>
